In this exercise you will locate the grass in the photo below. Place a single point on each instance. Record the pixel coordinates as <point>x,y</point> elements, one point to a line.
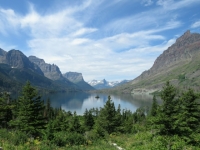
<point>143,140</point>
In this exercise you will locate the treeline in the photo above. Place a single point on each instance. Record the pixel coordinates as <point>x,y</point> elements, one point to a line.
<point>29,119</point>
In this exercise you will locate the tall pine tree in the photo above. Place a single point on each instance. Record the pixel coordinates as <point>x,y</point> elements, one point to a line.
<point>189,116</point>
<point>154,107</point>
<point>5,110</point>
<point>167,114</point>
<point>88,119</point>
<point>30,111</point>
<point>108,118</point>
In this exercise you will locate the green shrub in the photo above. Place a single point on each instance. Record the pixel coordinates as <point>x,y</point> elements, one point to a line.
<point>71,138</point>
<point>18,137</point>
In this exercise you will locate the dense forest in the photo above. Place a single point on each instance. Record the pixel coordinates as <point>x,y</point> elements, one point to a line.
<point>30,123</point>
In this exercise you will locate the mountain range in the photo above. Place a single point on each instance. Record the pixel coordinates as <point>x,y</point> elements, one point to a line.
<point>103,84</point>
<point>179,64</point>
<point>16,69</point>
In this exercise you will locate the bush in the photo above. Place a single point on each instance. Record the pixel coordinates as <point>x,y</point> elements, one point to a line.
<point>13,137</point>
<point>18,137</point>
<point>71,138</point>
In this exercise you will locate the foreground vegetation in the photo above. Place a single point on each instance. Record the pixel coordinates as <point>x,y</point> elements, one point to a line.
<point>27,123</point>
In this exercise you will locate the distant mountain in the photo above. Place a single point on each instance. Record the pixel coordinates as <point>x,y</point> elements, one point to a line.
<point>16,69</point>
<point>52,72</point>
<point>180,64</point>
<point>77,78</point>
<point>103,84</point>
<point>122,82</point>
<point>16,59</point>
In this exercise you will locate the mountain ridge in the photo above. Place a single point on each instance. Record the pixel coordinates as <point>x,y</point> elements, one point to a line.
<point>179,63</point>
<point>16,69</point>
<point>77,78</point>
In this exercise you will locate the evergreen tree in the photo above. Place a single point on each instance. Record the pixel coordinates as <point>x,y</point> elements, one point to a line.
<point>29,113</point>
<point>167,115</point>
<point>154,107</point>
<point>88,119</point>
<point>107,118</point>
<point>189,116</point>
<point>118,119</point>
<point>5,110</point>
<point>48,110</point>
<point>75,125</point>
<point>60,123</point>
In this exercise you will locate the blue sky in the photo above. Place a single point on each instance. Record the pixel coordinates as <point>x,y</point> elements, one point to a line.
<point>115,40</point>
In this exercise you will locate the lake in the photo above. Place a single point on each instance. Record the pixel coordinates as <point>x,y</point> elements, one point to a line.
<point>80,101</point>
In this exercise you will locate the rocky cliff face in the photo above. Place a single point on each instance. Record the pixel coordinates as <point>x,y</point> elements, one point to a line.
<point>179,64</point>
<point>2,55</point>
<point>50,71</point>
<point>16,59</point>
<point>183,50</point>
<point>74,77</point>
<point>77,78</point>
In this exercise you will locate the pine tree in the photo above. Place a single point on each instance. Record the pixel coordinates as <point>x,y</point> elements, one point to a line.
<point>154,107</point>
<point>167,114</point>
<point>107,117</point>
<point>88,119</point>
<point>61,122</point>
<point>48,110</point>
<point>118,120</point>
<point>29,113</point>
<point>189,116</point>
<point>5,110</point>
<point>75,125</point>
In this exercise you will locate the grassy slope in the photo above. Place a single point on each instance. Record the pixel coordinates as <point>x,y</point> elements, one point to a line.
<point>143,140</point>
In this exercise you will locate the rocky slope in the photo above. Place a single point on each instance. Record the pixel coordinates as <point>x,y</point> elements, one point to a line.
<point>16,59</point>
<point>77,78</point>
<point>50,71</point>
<point>53,72</point>
<point>180,64</point>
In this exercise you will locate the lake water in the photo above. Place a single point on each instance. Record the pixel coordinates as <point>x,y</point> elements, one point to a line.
<point>80,101</point>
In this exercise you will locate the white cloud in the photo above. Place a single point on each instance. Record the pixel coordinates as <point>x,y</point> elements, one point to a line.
<point>62,39</point>
<point>196,24</point>
<point>173,5</point>
<point>98,58</point>
<point>83,31</point>
<point>147,2</point>
<point>8,21</point>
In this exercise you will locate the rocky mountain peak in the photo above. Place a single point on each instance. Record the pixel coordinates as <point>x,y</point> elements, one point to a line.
<point>74,76</point>
<point>50,71</point>
<point>36,60</point>
<point>186,35</point>
<point>2,52</point>
<point>2,56</point>
<point>17,59</point>
<point>181,51</point>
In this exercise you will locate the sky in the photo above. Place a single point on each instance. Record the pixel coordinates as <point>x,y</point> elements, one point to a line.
<point>112,40</point>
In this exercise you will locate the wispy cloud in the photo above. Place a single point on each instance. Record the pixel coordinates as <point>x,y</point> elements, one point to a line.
<point>8,21</point>
<point>196,24</point>
<point>147,2</point>
<point>121,48</point>
<point>173,4</point>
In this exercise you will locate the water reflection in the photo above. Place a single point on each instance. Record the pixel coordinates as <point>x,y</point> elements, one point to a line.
<point>80,101</point>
